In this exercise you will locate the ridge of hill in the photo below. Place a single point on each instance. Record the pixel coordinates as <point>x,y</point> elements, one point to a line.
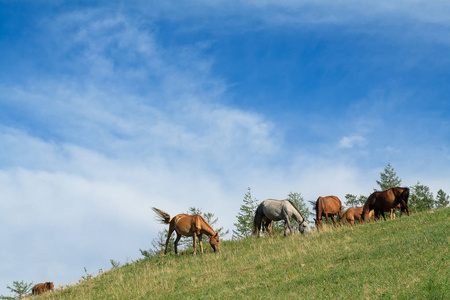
<point>397,259</point>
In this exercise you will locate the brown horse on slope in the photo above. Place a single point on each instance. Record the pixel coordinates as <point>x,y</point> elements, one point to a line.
<point>188,225</point>
<point>383,201</point>
<point>327,207</point>
<point>353,214</point>
<point>42,288</point>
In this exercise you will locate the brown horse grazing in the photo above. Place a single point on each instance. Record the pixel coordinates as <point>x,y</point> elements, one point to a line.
<point>188,226</point>
<point>326,207</point>
<point>42,288</point>
<point>353,214</point>
<point>266,224</point>
<point>386,200</point>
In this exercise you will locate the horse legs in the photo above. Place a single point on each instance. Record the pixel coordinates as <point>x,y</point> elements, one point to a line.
<point>195,243</point>
<point>287,224</point>
<point>176,242</point>
<point>332,219</point>
<point>200,237</point>
<point>171,229</point>
<point>392,213</point>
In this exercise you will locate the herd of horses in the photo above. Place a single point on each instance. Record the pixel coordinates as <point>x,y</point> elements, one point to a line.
<point>271,210</point>
<point>376,205</point>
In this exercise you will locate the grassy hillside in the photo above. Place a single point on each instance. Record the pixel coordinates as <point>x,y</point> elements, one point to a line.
<point>397,259</point>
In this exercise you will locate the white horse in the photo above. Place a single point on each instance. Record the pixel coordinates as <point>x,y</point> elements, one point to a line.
<point>278,210</point>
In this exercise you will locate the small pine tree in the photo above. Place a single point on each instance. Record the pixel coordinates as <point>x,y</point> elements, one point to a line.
<point>350,200</point>
<point>361,200</point>
<point>245,217</point>
<point>421,197</point>
<point>353,201</point>
<point>442,199</point>
<point>388,179</point>
<point>19,288</point>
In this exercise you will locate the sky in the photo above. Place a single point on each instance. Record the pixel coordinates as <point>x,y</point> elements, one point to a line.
<point>110,108</point>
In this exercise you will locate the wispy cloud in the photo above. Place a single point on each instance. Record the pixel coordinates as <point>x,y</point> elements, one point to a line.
<point>352,141</point>
<point>121,119</point>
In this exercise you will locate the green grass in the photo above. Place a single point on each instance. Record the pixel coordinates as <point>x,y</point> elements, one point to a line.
<point>406,258</point>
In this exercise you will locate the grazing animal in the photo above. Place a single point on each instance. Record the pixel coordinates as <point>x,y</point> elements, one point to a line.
<point>277,210</point>
<point>188,225</point>
<point>42,288</point>
<point>353,214</point>
<point>266,224</point>
<point>383,201</point>
<point>327,207</point>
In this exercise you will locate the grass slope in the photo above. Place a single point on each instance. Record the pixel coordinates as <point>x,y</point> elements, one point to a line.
<point>397,259</point>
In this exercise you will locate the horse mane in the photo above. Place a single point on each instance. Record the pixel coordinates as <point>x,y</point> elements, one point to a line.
<point>296,208</point>
<point>206,222</point>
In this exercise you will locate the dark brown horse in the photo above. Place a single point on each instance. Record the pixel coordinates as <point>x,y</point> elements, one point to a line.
<point>188,225</point>
<point>327,207</point>
<point>383,201</point>
<point>353,214</point>
<point>42,288</point>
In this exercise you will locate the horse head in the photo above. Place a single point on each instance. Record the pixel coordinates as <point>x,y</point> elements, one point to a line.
<point>402,194</point>
<point>49,286</point>
<point>317,222</point>
<point>303,227</point>
<point>214,241</point>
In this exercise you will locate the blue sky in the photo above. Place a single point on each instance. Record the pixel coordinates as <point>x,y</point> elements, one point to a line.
<point>109,109</point>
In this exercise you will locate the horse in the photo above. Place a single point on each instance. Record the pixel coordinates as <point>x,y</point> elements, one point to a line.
<point>386,200</point>
<point>266,224</point>
<point>188,225</point>
<point>42,288</point>
<point>277,210</point>
<point>353,214</point>
<point>401,208</point>
<point>326,207</point>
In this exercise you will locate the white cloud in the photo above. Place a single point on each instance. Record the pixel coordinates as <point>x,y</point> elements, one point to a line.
<point>352,141</point>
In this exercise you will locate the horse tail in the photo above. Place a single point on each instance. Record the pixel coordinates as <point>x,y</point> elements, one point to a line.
<point>257,220</point>
<point>316,207</point>
<point>340,209</point>
<point>162,216</point>
<point>314,204</point>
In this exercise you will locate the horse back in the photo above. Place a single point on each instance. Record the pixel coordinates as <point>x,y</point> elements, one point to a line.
<point>183,224</point>
<point>329,204</point>
<point>41,288</point>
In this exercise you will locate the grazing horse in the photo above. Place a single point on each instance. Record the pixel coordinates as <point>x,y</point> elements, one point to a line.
<point>188,226</point>
<point>42,288</point>
<point>353,214</point>
<point>327,207</point>
<point>386,200</point>
<point>266,224</point>
<point>277,210</point>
